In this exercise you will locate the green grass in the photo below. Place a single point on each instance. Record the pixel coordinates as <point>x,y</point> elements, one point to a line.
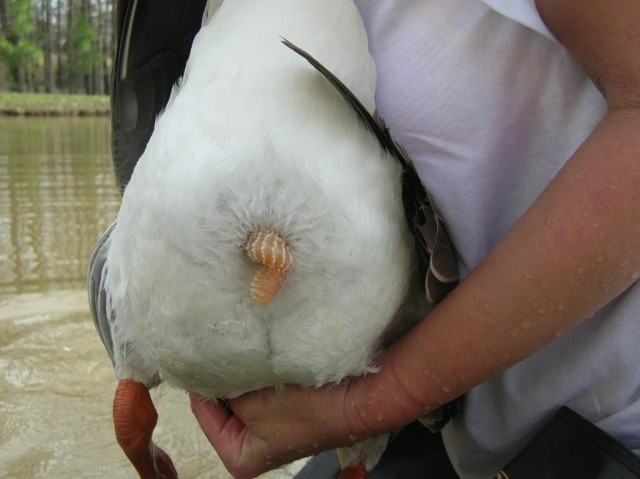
<point>52,104</point>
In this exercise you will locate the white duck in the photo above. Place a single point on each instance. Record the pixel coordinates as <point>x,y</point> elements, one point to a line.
<point>263,238</point>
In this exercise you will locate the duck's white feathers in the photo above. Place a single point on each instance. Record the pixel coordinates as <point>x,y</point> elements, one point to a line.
<point>255,138</point>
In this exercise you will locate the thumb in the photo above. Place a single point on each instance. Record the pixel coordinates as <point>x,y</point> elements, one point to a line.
<point>223,429</point>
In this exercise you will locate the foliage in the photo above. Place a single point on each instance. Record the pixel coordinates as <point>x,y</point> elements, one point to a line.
<point>82,40</point>
<point>16,50</point>
<point>56,45</point>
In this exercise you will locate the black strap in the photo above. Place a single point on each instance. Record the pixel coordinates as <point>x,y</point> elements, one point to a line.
<point>569,446</point>
<point>414,453</point>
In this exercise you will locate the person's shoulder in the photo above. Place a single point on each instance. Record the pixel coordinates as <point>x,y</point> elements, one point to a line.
<point>603,38</point>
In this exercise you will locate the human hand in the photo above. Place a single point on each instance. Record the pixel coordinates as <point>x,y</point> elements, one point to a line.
<point>260,431</point>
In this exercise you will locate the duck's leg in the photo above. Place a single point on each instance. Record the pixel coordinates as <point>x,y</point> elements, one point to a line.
<point>355,460</point>
<point>354,472</point>
<point>134,418</point>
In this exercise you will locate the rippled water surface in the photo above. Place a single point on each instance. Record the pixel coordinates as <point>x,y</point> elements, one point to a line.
<point>57,195</point>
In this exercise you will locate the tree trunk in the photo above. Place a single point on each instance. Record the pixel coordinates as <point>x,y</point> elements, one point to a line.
<point>14,69</point>
<point>59,69</point>
<point>110,46</point>
<point>71,77</point>
<point>48,47</point>
<point>98,72</point>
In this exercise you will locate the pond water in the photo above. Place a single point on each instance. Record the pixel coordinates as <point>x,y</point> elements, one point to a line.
<point>57,194</point>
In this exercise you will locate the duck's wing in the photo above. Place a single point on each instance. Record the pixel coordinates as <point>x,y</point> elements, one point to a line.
<point>154,40</point>
<point>124,355</point>
<point>432,242</point>
<point>97,293</point>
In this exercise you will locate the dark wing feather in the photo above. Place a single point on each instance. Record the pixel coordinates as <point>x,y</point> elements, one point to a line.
<point>154,39</point>
<point>432,242</point>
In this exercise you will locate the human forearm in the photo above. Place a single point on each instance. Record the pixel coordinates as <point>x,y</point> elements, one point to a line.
<point>575,249</point>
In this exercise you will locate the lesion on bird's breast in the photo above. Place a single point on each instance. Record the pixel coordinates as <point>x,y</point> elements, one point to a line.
<point>269,249</point>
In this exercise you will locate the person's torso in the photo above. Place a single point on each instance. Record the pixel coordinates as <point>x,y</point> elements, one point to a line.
<point>490,107</point>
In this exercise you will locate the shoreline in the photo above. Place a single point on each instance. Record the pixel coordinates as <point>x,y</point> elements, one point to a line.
<point>53,104</point>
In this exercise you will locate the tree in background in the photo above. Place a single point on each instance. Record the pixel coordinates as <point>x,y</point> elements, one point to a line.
<point>56,45</point>
<point>18,52</point>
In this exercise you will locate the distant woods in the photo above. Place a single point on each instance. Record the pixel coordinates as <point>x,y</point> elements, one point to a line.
<point>56,45</point>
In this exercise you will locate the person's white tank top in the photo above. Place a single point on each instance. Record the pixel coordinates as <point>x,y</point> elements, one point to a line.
<point>490,107</point>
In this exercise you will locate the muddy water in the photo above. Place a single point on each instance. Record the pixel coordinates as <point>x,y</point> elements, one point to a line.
<point>57,195</point>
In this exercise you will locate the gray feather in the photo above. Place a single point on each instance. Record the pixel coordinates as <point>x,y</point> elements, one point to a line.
<point>97,293</point>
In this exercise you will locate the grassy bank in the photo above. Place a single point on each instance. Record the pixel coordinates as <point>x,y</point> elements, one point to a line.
<point>46,104</point>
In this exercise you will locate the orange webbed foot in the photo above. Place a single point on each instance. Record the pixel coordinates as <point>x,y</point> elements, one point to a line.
<point>134,418</point>
<point>354,472</point>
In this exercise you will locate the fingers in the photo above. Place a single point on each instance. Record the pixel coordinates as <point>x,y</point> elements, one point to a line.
<point>229,436</point>
<point>262,430</point>
<point>224,430</point>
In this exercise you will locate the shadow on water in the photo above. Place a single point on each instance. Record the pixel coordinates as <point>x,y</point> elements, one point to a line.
<point>57,195</point>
